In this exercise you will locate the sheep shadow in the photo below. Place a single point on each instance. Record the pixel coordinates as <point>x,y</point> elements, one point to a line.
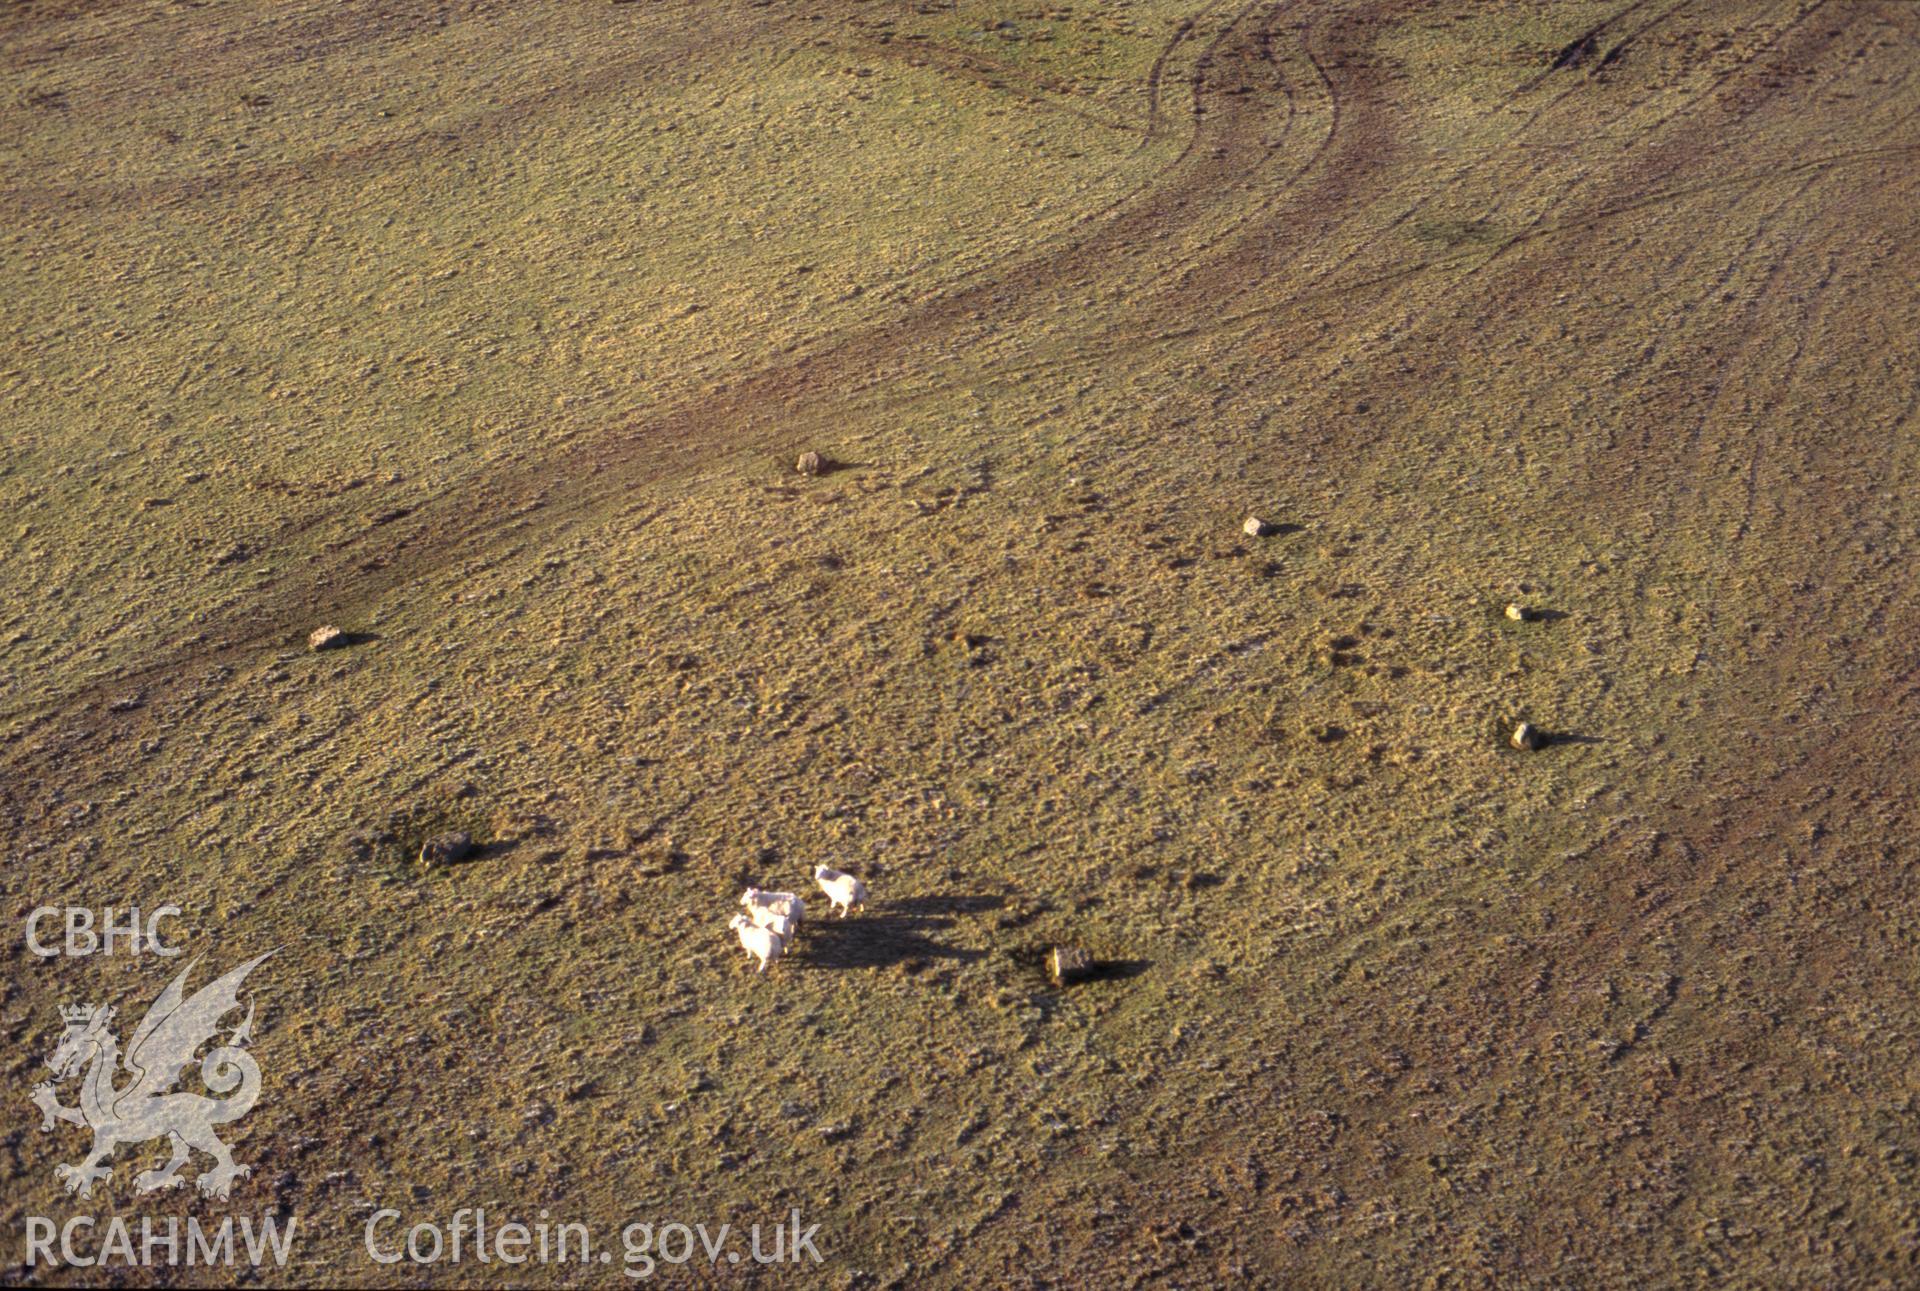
<point>939,905</point>
<point>880,940</point>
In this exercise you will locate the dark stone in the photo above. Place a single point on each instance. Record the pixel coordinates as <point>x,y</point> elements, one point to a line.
<point>445,849</point>
<point>1068,964</point>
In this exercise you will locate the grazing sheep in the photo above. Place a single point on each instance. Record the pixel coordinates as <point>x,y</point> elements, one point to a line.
<point>842,889</point>
<point>763,944</point>
<point>774,902</point>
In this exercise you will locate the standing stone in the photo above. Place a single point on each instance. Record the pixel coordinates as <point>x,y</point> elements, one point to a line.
<point>1519,613</point>
<point>1068,964</point>
<point>445,849</point>
<point>810,463</point>
<point>1527,736</point>
<point>1255,527</point>
<point>326,638</point>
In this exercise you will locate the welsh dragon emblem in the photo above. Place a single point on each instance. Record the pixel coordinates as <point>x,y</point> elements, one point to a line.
<point>149,1105</point>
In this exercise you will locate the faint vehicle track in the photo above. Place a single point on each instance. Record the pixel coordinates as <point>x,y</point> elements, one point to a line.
<point>1569,57</point>
<point>545,499</point>
<point>1541,217</point>
<point>558,494</point>
<point>995,75</point>
<point>1155,119</point>
<point>562,492</point>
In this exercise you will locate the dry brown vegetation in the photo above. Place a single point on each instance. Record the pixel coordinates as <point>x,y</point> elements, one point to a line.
<point>491,333</point>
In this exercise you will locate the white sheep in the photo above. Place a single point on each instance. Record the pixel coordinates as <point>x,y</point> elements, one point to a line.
<point>774,903</point>
<point>774,921</point>
<point>763,944</point>
<point>842,889</point>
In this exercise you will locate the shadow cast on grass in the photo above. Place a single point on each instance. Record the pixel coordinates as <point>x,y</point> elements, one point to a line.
<point>834,466</point>
<point>878,941</point>
<point>345,641</point>
<point>938,905</point>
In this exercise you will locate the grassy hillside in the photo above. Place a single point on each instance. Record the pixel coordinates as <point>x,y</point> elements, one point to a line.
<point>490,333</point>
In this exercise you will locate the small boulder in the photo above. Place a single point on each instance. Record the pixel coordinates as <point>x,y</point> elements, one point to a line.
<point>810,463</point>
<point>1519,613</point>
<point>445,849</point>
<point>1527,736</point>
<point>326,638</point>
<point>1068,964</point>
<point>1255,527</point>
